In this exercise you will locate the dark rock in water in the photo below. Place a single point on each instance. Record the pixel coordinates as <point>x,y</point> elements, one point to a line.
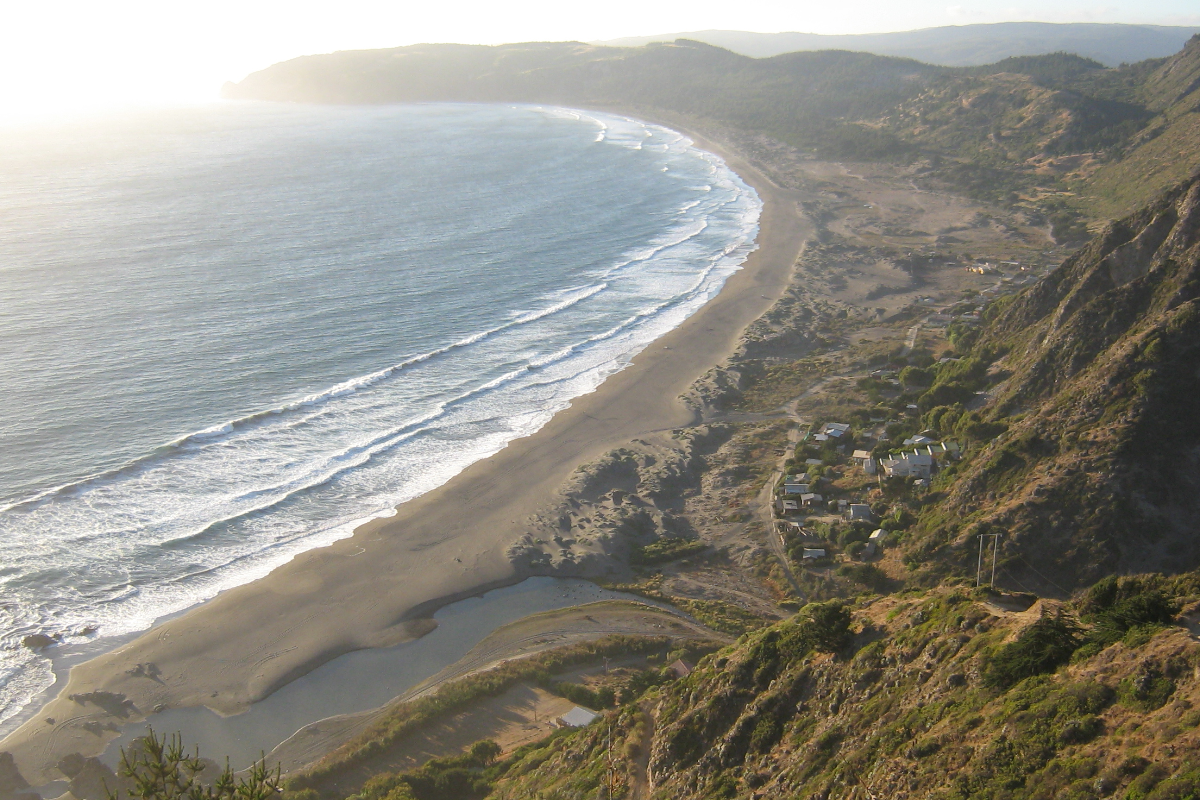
<point>38,641</point>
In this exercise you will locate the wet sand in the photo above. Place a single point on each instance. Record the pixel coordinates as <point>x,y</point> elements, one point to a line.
<point>380,587</point>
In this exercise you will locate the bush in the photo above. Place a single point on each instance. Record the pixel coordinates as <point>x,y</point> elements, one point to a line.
<point>868,575</point>
<point>604,697</point>
<point>670,549</point>
<point>827,625</point>
<point>1042,647</point>
<point>1118,606</point>
<point>158,769</point>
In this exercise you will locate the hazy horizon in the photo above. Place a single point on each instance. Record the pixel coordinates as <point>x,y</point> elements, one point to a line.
<point>85,56</point>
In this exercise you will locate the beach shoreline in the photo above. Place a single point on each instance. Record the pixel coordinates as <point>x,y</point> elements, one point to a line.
<point>380,586</point>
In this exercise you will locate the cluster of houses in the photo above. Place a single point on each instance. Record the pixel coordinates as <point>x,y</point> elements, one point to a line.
<point>797,494</point>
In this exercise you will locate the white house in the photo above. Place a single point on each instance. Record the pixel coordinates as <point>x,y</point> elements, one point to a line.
<point>864,460</point>
<point>577,717</point>
<point>859,511</point>
<point>874,541</point>
<point>908,465</point>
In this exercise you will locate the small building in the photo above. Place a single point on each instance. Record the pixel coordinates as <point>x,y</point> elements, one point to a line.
<point>813,462</point>
<point>859,511</point>
<point>810,499</point>
<point>863,459</point>
<point>796,488</point>
<point>577,717</point>
<point>789,506</point>
<point>680,667</point>
<point>908,465</point>
<point>820,437</point>
<point>813,552</point>
<point>835,430</point>
<point>874,541</point>
<point>789,526</point>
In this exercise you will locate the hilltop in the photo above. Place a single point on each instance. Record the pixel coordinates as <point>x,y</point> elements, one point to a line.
<point>1060,134</point>
<point>957,45</point>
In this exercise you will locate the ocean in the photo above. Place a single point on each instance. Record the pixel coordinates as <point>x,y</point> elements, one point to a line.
<point>231,333</point>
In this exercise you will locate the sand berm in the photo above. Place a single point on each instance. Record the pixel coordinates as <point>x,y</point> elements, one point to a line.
<point>381,586</point>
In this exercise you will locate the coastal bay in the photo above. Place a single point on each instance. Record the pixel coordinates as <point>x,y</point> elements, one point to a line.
<point>381,586</point>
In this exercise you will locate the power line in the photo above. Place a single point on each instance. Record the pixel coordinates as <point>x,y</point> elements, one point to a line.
<point>1043,577</point>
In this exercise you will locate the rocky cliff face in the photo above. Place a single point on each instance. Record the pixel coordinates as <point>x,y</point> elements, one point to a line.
<point>1099,470</point>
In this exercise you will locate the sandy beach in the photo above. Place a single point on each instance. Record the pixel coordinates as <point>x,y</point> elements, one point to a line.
<point>381,586</point>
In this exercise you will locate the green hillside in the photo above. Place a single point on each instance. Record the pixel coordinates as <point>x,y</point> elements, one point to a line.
<point>957,45</point>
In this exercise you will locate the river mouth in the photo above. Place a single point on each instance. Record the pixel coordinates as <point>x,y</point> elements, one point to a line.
<point>363,679</point>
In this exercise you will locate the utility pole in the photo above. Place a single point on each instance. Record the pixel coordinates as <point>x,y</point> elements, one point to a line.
<point>979,560</point>
<point>995,551</point>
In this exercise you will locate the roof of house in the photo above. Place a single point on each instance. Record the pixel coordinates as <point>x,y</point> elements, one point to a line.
<point>860,511</point>
<point>813,552</point>
<point>578,717</point>
<point>680,667</point>
<point>860,454</point>
<point>877,534</point>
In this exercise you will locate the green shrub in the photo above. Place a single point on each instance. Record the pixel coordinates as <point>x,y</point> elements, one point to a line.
<point>1146,691</point>
<point>1042,647</point>
<point>669,549</point>
<point>604,697</point>
<point>827,625</point>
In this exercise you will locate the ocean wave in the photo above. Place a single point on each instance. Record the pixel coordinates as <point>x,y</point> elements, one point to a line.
<point>228,503</point>
<point>221,431</point>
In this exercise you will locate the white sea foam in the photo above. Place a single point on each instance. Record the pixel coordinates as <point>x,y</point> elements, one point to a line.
<point>180,522</point>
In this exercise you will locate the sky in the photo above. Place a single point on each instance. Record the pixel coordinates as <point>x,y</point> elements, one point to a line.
<point>76,54</point>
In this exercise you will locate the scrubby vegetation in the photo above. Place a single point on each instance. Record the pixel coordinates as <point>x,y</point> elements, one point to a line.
<point>933,694</point>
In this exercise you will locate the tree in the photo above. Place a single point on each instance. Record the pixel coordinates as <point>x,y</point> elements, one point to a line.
<point>1042,647</point>
<point>827,625</point>
<point>155,769</point>
<point>485,751</point>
